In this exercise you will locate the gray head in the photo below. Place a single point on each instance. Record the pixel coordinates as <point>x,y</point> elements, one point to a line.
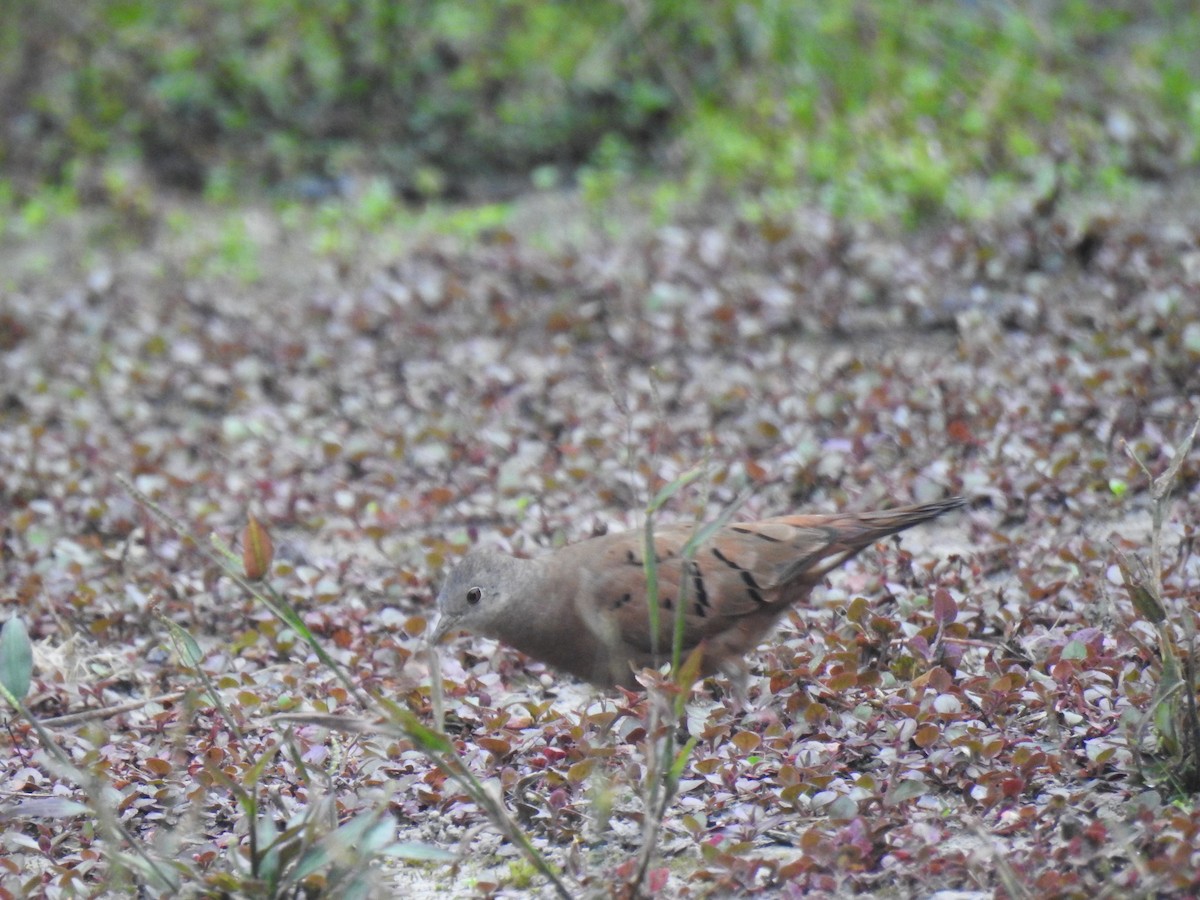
<point>478,594</point>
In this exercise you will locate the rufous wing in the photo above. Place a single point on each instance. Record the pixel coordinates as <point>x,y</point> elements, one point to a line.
<point>746,570</point>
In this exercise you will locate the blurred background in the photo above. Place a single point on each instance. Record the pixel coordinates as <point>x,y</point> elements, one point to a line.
<point>398,279</point>
<point>887,109</point>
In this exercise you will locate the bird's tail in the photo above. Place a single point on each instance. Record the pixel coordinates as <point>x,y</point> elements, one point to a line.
<point>852,533</point>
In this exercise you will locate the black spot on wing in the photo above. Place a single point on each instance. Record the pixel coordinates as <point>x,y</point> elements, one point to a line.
<point>725,559</point>
<point>701,605</point>
<point>625,598</point>
<point>752,587</point>
<point>802,567</point>
<point>757,534</point>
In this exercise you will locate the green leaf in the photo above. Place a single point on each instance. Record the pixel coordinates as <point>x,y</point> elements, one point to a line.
<point>359,838</point>
<point>1162,485</point>
<point>1074,650</point>
<point>269,861</point>
<point>670,490</point>
<point>189,651</point>
<point>424,736</point>
<point>251,776</point>
<point>162,879</point>
<point>688,672</point>
<point>16,658</point>
<point>418,852</point>
<point>1164,725</point>
<point>709,529</point>
<point>650,566</point>
<point>842,808</point>
<point>46,808</point>
<point>681,759</point>
<point>1143,599</point>
<point>908,789</point>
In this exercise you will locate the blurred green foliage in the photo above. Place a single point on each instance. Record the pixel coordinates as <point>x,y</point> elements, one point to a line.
<point>871,108</point>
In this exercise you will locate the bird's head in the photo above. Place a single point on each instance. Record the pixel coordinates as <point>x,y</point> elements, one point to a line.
<point>477,594</point>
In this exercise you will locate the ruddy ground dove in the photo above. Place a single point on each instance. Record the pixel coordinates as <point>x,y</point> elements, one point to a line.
<point>584,608</point>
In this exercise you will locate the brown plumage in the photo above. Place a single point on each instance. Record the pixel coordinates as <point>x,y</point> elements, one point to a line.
<point>584,608</point>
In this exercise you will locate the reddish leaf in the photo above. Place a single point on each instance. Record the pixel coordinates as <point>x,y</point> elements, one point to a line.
<point>439,496</point>
<point>926,735</point>
<point>959,432</point>
<point>577,773</point>
<point>945,610</point>
<point>657,879</point>
<point>746,741</point>
<point>257,550</point>
<point>495,746</point>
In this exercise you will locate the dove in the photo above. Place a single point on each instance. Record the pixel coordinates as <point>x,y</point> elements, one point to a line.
<point>584,609</point>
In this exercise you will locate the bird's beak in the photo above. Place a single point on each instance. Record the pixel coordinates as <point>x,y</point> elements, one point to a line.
<point>442,625</point>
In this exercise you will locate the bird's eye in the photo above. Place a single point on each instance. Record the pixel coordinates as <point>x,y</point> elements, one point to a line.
<point>474,595</point>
